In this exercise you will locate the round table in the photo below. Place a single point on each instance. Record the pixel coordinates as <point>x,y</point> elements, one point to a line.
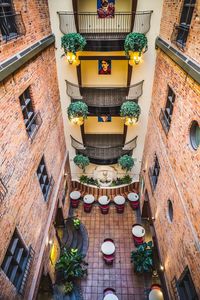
<point>110,297</point>
<point>89,199</point>
<point>138,231</point>
<point>103,200</point>
<point>75,195</point>
<point>108,248</point>
<point>133,197</point>
<point>156,295</point>
<point>119,200</point>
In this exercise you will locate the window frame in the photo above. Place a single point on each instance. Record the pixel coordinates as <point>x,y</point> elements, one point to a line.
<point>8,16</point>
<point>184,279</point>
<point>185,22</point>
<point>154,173</point>
<point>11,258</point>
<point>43,177</point>
<point>167,113</point>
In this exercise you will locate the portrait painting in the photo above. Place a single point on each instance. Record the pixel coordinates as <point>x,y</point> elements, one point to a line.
<point>104,67</point>
<point>106,8</point>
<point>104,118</point>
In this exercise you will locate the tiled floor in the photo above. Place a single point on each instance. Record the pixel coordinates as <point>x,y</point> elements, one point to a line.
<point>120,276</point>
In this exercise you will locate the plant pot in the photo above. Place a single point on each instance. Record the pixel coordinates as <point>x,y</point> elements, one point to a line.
<point>129,121</point>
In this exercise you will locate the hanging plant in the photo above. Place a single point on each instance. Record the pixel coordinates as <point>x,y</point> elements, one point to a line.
<point>126,162</point>
<point>130,110</point>
<point>81,161</point>
<point>73,42</point>
<point>135,42</point>
<point>142,258</point>
<point>77,112</point>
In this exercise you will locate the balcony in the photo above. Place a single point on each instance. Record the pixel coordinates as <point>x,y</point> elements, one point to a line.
<point>11,26</point>
<point>104,154</point>
<point>164,121</point>
<point>3,190</point>
<point>98,31</point>
<point>104,100</point>
<point>34,125</point>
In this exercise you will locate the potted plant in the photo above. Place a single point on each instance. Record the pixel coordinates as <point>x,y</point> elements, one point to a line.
<point>72,43</point>
<point>142,258</point>
<point>76,223</point>
<point>135,44</point>
<point>81,161</point>
<point>71,265</point>
<point>126,162</point>
<point>68,287</point>
<point>77,112</point>
<point>130,111</point>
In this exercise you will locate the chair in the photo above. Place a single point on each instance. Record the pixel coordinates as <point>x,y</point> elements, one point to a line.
<point>104,209</point>
<point>138,240</point>
<point>120,208</point>
<point>87,207</point>
<point>109,258</point>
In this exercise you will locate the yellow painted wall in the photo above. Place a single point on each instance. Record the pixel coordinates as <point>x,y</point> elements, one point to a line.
<point>90,76</point>
<point>92,126</point>
<point>91,5</point>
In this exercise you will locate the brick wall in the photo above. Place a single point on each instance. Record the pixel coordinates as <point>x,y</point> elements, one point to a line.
<point>35,16</point>
<point>179,170</point>
<point>24,205</point>
<point>171,15</point>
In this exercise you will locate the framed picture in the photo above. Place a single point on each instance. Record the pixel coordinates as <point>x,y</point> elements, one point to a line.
<point>104,67</point>
<point>104,119</point>
<point>106,8</point>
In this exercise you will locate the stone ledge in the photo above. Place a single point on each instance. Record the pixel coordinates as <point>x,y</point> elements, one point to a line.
<point>191,67</point>
<point>7,67</point>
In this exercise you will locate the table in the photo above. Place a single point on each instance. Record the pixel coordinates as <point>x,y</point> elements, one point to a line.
<point>110,297</point>
<point>119,200</point>
<point>133,197</point>
<point>138,231</point>
<point>103,200</point>
<point>156,295</point>
<point>108,248</point>
<point>75,195</point>
<point>88,199</point>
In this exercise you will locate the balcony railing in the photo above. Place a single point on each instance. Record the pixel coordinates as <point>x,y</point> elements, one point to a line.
<point>153,179</point>
<point>3,190</point>
<point>11,26</point>
<point>92,27</point>
<point>34,125</point>
<point>179,35</point>
<point>164,121</point>
<point>104,96</point>
<point>104,154</point>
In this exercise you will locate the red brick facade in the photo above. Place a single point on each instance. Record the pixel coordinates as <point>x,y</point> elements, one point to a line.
<point>171,16</point>
<point>179,240</point>
<point>35,16</point>
<point>24,206</point>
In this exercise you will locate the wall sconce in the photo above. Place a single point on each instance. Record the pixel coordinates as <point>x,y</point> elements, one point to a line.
<point>77,121</point>
<point>50,242</point>
<point>135,58</point>
<point>129,121</point>
<point>162,268</point>
<point>72,58</point>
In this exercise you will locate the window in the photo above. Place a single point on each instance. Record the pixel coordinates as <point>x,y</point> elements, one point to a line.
<point>185,286</point>
<point>185,21</point>
<point>16,261</point>
<point>43,179</point>
<point>154,173</point>
<point>8,24</point>
<point>195,135</point>
<point>32,121</point>
<point>170,210</point>
<point>166,114</point>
